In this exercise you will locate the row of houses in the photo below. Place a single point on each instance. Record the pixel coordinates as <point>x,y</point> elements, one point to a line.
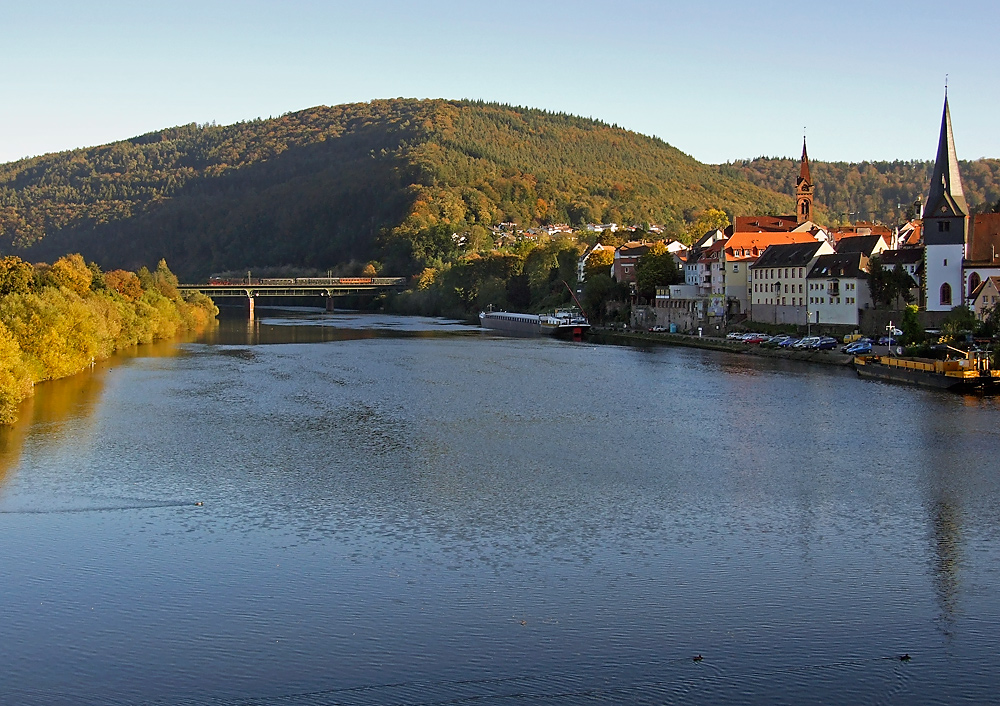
<point>790,270</point>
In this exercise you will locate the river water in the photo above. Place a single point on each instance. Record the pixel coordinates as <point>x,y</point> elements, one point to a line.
<point>409,511</point>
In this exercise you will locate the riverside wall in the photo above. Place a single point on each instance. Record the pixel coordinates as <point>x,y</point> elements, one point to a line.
<point>828,357</point>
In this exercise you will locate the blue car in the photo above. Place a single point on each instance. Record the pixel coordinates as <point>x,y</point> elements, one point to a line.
<point>858,348</point>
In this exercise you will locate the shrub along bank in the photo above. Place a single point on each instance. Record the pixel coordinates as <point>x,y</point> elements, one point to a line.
<point>55,320</point>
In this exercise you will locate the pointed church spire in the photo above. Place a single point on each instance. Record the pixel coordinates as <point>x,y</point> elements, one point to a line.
<point>803,189</point>
<point>804,169</point>
<point>946,196</point>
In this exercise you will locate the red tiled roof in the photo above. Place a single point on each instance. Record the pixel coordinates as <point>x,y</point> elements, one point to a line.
<point>984,237</point>
<point>764,224</point>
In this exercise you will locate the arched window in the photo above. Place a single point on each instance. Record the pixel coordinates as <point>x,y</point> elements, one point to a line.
<point>974,281</point>
<point>805,208</point>
<point>945,294</point>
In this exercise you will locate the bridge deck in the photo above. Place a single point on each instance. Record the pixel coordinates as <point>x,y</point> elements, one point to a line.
<point>288,290</point>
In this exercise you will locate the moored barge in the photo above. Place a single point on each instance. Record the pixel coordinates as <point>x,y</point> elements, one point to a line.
<point>969,375</point>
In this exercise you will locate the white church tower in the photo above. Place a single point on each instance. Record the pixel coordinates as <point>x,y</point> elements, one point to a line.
<point>946,226</point>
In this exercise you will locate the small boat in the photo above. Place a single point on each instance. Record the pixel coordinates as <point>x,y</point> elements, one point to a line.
<point>970,374</point>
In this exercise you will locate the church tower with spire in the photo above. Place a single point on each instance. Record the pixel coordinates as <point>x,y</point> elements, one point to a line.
<point>803,190</point>
<point>946,226</point>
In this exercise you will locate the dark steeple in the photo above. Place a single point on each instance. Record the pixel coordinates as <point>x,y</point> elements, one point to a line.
<point>946,198</point>
<point>803,189</point>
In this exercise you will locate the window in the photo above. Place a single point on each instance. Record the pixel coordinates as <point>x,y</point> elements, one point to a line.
<point>736,268</point>
<point>786,289</point>
<point>944,226</point>
<point>783,301</point>
<point>946,262</point>
<point>974,281</point>
<point>945,294</point>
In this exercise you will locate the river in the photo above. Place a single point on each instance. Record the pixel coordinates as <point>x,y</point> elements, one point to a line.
<point>361,509</point>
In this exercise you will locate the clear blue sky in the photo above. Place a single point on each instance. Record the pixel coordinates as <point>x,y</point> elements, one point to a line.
<point>719,80</point>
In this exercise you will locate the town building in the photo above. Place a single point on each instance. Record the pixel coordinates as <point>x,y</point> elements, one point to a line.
<point>982,259</point>
<point>838,289</point>
<point>679,307</point>
<point>626,258</point>
<point>985,297</point>
<point>778,287</point>
<point>741,251</point>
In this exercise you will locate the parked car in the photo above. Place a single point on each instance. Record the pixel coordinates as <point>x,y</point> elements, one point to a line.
<point>658,329</point>
<point>756,338</point>
<point>887,341</point>
<point>807,342</point>
<point>735,335</point>
<point>859,342</point>
<point>826,343</point>
<point>852,338</point>
<point>862,347</point>
<point>788,342</point>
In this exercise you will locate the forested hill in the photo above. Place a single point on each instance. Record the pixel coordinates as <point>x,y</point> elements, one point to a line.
<point>879,191</point>
<point>386,180</point>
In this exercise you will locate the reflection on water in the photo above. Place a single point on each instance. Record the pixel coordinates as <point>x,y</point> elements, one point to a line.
<point>74,397</point>
<point>411,511</point>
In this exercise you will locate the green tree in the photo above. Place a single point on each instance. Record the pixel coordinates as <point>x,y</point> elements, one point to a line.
<point>657,268</point>
<point>598,290</point>
<point>913,331</point>
<point>900,285</point>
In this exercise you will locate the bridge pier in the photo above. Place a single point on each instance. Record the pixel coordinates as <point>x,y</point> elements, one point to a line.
<point>330,307</point>
<point>250,298</point>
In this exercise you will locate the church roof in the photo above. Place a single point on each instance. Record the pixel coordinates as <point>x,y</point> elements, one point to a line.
<point>984,238</point>
<point>946,184</point>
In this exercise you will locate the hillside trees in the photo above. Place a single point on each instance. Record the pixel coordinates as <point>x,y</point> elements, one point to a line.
<point>391,181</point>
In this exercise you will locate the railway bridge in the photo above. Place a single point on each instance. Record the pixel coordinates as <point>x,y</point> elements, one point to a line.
<point>325,287</point>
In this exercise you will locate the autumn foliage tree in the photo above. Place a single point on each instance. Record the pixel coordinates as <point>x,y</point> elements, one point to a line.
<point>57,319</point>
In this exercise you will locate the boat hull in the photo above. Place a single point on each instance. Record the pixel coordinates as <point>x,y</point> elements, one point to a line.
<point>511,324</point>
<point>920,378</point>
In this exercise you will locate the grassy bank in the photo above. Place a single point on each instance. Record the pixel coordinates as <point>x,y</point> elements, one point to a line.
<point>56,320</point>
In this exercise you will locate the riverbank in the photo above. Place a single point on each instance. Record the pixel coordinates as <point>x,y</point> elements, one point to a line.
<point>827,357</point>
<point>57,320</point>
